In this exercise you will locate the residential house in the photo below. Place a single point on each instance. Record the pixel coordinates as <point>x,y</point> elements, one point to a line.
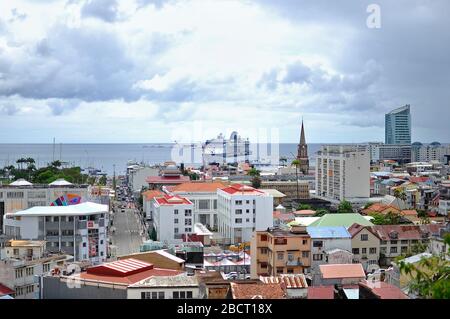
<point>340,274</point>
<point>365,246</point>
<point>278,251</point>
<point>165,287</point>
<point>295,285</point>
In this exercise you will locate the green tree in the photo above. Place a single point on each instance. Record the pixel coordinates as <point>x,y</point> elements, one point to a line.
<point>56,164</point>
<point>253,172</point>
<point>153,235</point>
<point>102,180</point>
<point>399,195</point>
<point>321,212</point>
<point>304,207</point>
<point>388,219</point>
<point>345,207</point>
<point>430,277</point>
<point>256,181</point>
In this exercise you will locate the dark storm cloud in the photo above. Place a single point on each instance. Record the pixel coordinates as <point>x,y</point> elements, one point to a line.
<point>106,10</point>
<point>411,52</point>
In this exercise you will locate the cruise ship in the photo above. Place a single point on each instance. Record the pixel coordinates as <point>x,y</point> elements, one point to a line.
<point>221,150</point>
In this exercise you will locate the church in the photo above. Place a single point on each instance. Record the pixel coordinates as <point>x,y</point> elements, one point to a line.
<point>302,153</point>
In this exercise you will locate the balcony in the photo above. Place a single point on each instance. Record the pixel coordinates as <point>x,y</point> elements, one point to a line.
<point>294,263</point>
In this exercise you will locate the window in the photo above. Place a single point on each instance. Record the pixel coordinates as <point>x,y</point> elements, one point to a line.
<point>15,251</point>
<point>203,204</point>
<point>176,295</point>
<point>317,257</point>
<point>161,295</point>
<point>247,220</point>
<point>175,211</point>
<point>263,238</point>
<point>187,212</point>
<point>189,294</point>
<point>383,242</point>
<point>393,250</point>
<point>238,220</point>
<point>280,270</point>
<point>247,211</point>
<point>404,249</point>
<point>290,256</point>
<point>238,202</point>
<point>48,219</point>
<point>317,243</point>
<point>305,242</point>
<point>238,211</point>
<point>393,242</point>
<point>264,251</point>
<point>280,256</point>
<point>46,268</point>
<point>305,254</point>
<point>84,244</point>
<point>19,273</point>
<point>383,250</point>
<point>215,204</point>
<point>290,271</point>
<point>188,222</point>
<point>182,294</point>
<point>404,242</point>
<point>175,230</point>
<point>364,237</point>
<point>175,221</point>
<point>372,250</point>
<point>364,251</point>
<point>414,241</point>
<point>355,251</point>
<point>247,202</point>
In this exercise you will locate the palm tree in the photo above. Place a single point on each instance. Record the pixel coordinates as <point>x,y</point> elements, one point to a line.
<point>20,161</point>
<point>253,172</point>
<point>399,194</point>
<point>296,163</point>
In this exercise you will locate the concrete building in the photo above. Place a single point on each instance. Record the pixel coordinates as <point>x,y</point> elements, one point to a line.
<point>23,261</point>
<point>173,218</point>
<point>398,126</point>
<point>343,173</point>
<point>165,287</point>
<point>203,195</point>
<point>326,239</point>
<point>106,281</point>
<point>276,251</point>
<point>147,202</point>
<point>78,230</point>
<point>401,153</point>
<point>289,189</point>
<point>242,210</point>
<point>21,195</point>
<point>433,152</point>
<point>138,174</point>
<point>365,246</point>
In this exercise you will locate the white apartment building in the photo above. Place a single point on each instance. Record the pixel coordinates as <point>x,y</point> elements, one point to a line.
<point>78,230</point>
<point>137,175</point>
<point>21,195</point>
<point>434,152</point>
<point>343,172</point>
<point>23,262</point>
<point>204,197</point>
<point>172,218</point>
<point>241,211</point>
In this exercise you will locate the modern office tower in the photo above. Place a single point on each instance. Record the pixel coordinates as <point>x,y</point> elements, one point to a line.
<point>398,126</point>
<point>343,172</point>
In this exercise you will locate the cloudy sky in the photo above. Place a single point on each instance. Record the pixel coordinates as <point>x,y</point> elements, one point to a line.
<point>160,70</point>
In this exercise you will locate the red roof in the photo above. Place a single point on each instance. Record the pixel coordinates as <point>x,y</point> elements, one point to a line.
<point>323,292</point>
<point>150,194</point>
<point>418,179</point>
<point>388,232</point>
<point>173,200</point>
<point>257,291</point>
<point>242,190</point>
<point>383,290</point>
<point>125,271</point>
<point>307,212</point>
<point>335,271</point>
<point>198,187</point>
<point>289,281</point>
<point>120,268</point>
<point>5,290</point>
<point>356,228</point>
<point>167,179</point>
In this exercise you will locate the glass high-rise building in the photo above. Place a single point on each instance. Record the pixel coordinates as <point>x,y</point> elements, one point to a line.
<point>398,126</point>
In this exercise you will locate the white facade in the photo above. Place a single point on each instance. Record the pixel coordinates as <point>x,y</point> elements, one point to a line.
<point>444,207</point>
<point>205,206</point>
<point>23,263</point>
<point>343,172</point>
<point>172,218</point>
<point>241,211</point>
<point>138,175</point>
<point>429,153</point>
<point>165,287</point>
<point>79,230</point>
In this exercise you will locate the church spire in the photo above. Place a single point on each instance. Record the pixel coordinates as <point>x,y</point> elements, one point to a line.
<point>302,135</point>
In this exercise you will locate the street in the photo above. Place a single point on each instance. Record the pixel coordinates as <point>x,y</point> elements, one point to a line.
<point>127,236</point>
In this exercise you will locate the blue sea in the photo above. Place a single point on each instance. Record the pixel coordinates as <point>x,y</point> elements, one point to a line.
<point>108,156</point>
